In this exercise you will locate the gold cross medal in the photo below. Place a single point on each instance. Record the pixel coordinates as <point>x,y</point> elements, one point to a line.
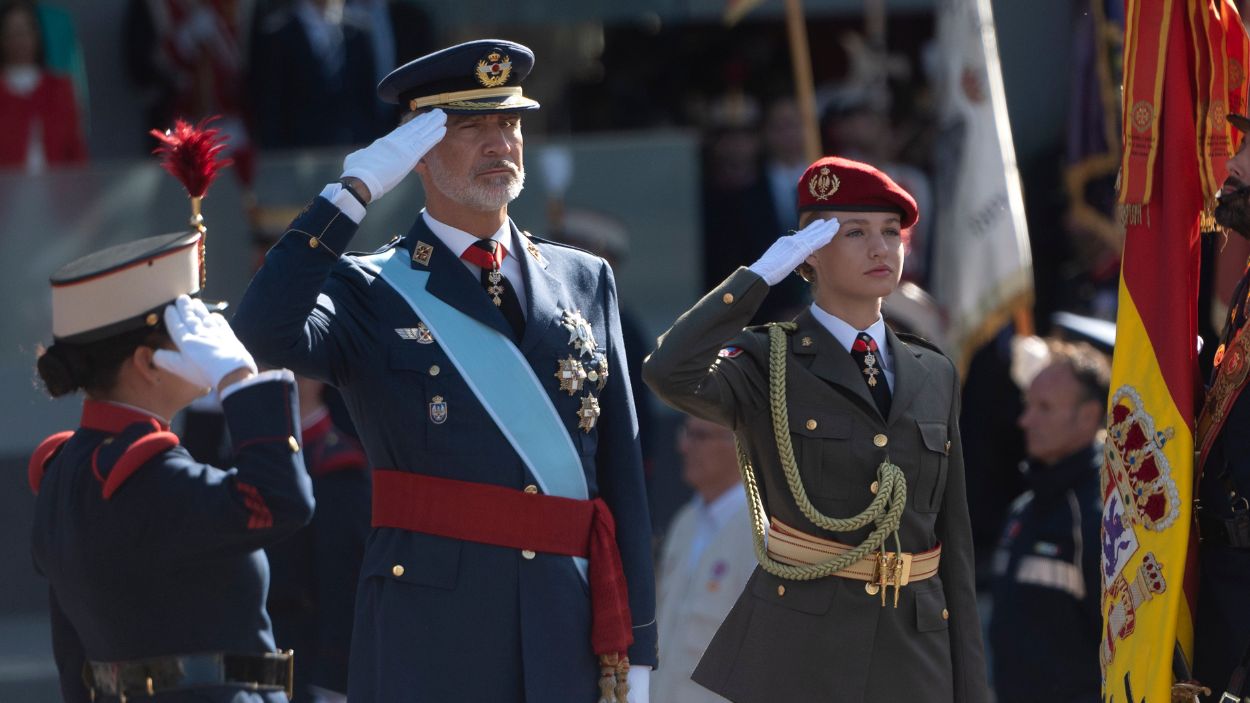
<point>571,375</point>
<point>581,336</point>
<point>495,290</point>
<point>588,414</point>
<point>870,361</point>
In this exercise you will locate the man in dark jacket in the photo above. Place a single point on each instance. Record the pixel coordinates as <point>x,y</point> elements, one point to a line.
<point>1045,626</point>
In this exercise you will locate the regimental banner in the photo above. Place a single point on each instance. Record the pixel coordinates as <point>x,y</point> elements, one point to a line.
<point>982,265</point>
<point>1182,65</point>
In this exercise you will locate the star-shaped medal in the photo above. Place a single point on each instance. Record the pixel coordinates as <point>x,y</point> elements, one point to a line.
<point>581,336</point>
<point>588,414</point>
<point>571,374</point>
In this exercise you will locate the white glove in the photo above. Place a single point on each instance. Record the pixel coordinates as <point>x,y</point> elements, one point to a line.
<point>639,684</point>
<point>207,348</point>
<point>385,162</point>
<point>793,249</point>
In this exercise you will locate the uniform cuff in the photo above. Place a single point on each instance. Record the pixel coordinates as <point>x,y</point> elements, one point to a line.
<point>262,377</point>
<point>344,201</point>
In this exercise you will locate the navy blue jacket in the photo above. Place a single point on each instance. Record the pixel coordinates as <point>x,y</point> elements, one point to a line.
<point>461,620</point>
<point>164,557</point>
<point>1044,632</point>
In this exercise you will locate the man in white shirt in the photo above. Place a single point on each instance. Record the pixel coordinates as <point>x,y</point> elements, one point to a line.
<point>706,560</point>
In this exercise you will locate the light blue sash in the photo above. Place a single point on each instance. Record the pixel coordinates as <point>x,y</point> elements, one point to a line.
<point>499,376</point>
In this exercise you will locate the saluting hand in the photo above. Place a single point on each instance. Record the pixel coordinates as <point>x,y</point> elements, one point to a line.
<point>793,249</point>
<point>208,351</point>
<point>385,162</point>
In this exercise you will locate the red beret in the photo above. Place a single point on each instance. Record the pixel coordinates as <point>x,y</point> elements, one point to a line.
<point>835,183</point>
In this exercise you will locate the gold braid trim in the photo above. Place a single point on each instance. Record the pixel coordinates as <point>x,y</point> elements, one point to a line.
<point>613,678</point>
<point>885,510</point>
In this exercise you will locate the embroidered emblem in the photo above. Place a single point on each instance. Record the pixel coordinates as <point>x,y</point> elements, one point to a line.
<point>1119,540</point>
<point>1126,598</point>
<point>438,410</point>
<point>533,250</point>
<point>730,352</point>
<point>588,414</point>
<point>422,252</point>
<point>571,374</point>
<point>1143,115</point>
<point>601,375</point>
<point>1136,465</point>
<point>824,184</point>
<point>581,336</point>
<point>493,71</point>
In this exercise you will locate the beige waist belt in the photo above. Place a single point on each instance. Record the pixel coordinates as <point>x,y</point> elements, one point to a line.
<point>790,546</point>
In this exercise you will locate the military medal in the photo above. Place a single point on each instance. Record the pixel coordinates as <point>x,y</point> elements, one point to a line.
<point>494,289</point>
<point>599,375</point>
<point>571,374</point>
<point>438,410</point>
<point>588,414</point>
<point>422,252</point>
<point>581,336</point>
<point>871,370</point>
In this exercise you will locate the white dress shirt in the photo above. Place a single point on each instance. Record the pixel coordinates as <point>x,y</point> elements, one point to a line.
<point>459,240</point>
<point>845,333</point>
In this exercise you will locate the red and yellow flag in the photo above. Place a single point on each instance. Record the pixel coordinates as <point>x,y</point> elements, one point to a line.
<point>1183,64</point>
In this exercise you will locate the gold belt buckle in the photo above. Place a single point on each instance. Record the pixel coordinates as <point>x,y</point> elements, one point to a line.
<point>290,674</point>
<point>892,569</point>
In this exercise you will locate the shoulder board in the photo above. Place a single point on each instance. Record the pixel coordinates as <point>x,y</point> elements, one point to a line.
<point>128,452</point>
<point>44,453</point>
<point>564,245</point>
<point>919,341</point>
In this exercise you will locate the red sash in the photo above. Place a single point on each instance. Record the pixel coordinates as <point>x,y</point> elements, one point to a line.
<point>478,512</point>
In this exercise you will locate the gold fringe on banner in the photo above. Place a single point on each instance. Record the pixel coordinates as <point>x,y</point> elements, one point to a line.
<point>1129,213</point>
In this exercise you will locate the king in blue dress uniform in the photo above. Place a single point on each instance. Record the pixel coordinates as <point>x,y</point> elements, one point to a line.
<point>484,371</point>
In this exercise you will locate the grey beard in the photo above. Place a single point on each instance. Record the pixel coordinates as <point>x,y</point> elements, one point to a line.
<point>471,192</point>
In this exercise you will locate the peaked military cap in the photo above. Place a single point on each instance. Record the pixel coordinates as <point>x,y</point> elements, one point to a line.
<point>123,287</point>
<point>835,183</point>
<point>470,78</point>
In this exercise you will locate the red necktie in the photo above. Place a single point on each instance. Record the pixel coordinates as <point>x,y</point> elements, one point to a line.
<point>489,255</point>
<point>866,354</point>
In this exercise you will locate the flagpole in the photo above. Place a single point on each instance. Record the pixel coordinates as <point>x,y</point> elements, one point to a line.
<point>801,61</point>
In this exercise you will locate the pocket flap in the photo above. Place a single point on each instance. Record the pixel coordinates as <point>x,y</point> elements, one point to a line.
<point>813,597</point>
<point>413,558</point>
<point>931,613</point>
<point>935,436</point>
<point>810,423</point>
<point>426,359</point>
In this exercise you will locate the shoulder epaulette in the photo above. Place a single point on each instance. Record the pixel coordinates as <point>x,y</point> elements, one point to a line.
<point>128,452</point>
<point>919,341</point>
<point>44,453</point>
<point>541,240</point>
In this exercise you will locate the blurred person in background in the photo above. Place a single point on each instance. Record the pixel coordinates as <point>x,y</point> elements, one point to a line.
<point>311,78</point>
<point>154,560</point>
<point>706,559</point>
<point>1046,569</point>
<point>39,118</point>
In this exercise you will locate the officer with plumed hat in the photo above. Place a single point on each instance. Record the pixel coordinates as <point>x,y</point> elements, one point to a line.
<point>849,448</point>
<point>155,563</point>
<point>510,558</point>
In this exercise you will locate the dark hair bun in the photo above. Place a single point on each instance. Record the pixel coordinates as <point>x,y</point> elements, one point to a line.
<point>62,369</point>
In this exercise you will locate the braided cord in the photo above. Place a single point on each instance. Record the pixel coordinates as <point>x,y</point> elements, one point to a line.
<point>885,510</point>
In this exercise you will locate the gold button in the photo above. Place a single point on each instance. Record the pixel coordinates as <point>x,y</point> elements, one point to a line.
<point>872,588</point>
<point>880,440</point>
<point>874,487</point>
<point>151,319</point>
<point>811,424</point>
<point>948,446</point>
<point>946,614</point>
<point>781,590</point>
<point>292,443</point>
<point>528,553</point>
<point>531,489</point>
<point>313,242</point>
<point>728,298</point>
<point>434,370</point>
<point>397,570</point>
<point>592,376</point>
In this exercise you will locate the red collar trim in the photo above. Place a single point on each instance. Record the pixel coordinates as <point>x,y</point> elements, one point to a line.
<point>111,417</point>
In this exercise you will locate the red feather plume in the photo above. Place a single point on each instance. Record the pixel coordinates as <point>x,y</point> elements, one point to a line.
<point>192,154</point>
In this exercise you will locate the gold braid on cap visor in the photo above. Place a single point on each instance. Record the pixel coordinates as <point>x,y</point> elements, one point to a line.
<point>464,98</point>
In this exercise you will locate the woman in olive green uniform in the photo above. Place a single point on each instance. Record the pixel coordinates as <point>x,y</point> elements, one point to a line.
<point>849,438</point>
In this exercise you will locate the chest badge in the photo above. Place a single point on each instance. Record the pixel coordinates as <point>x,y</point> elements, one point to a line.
<point>438,410</point>
<point>599,374</point>
<point>588,414</point>
<point>422,252</point>
<point>493,70</point>
<point>581,336</point>
<point>571,374</point>
<point>421,334</point>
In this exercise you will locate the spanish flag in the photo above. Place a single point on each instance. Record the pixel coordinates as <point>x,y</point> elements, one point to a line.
<point>1183,74</point>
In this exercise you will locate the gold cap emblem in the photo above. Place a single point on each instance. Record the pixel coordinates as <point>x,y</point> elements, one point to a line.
<point>824,184</point>
<point>493,71</point>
